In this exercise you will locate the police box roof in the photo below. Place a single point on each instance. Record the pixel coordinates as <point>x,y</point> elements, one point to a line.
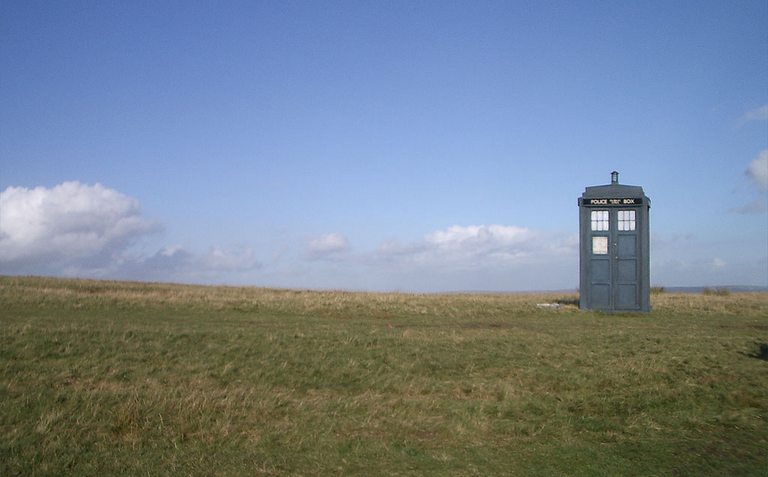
<point>614,190</point>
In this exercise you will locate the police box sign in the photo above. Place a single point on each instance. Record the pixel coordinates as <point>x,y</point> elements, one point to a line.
<point>613,202</point>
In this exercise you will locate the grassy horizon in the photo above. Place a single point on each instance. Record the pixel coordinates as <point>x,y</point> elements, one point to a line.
<point>131,378</point>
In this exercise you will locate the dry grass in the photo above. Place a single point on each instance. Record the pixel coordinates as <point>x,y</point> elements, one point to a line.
<point>153,379</point>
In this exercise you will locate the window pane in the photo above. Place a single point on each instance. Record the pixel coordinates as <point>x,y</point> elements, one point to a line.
<point>599,220</point>
<point>600,245</point>
<point>626,219</point>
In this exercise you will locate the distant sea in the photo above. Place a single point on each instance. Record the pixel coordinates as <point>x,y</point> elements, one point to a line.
<point>734,289</point>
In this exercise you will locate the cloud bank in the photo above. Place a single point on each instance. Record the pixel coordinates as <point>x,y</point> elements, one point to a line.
<point>75,229</point>
<point>482,257</point>
<point>475,241</point>
<point>480,245</point>
<point>177,263</point>
<point>69,225</point>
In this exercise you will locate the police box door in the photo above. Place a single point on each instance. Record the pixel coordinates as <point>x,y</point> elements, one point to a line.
<point>613,265</point>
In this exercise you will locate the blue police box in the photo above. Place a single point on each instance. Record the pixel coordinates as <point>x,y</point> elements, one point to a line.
<point>614,237</point>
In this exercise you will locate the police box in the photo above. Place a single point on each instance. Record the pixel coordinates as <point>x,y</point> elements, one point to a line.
<point>614,270</point>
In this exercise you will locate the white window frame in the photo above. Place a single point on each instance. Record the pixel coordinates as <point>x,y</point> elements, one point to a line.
<point>600,220</point>
<point>627,221</point>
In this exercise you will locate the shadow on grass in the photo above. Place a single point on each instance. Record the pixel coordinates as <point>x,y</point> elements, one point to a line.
<point>761,353</point>
<point>568,301</point>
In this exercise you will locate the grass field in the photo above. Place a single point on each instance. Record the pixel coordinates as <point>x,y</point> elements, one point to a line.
<point>112,378</point>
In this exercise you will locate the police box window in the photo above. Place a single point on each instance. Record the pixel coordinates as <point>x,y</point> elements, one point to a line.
<point>599,220</point>
<point>600,245</point>
<point>626,220</point>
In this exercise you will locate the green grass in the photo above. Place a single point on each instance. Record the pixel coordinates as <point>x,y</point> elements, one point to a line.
<point>111,378</point>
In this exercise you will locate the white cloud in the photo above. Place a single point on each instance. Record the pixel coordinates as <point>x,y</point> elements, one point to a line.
<point>719,263</point>
<point>475,242</point>
<point>478,234</point>
<point>72,223</point>
<point>84,230</point>
<point>758,170</point>
<point>483,257</point>
<point>481,238</point>
<point>456,258</point>
<point>166,262</point>
<point>327,246</point>
<point>238,260</point>
<point>177,263</point>
<point>758,114</point>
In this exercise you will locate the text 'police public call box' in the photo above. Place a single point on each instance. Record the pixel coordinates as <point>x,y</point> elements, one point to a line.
<point>614,248</point>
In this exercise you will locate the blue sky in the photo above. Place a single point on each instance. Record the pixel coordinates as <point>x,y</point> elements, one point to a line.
<point>378,145</point>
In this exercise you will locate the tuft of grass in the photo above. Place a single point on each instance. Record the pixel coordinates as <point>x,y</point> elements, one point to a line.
<point>719,291</point>
<point>120,378</point>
